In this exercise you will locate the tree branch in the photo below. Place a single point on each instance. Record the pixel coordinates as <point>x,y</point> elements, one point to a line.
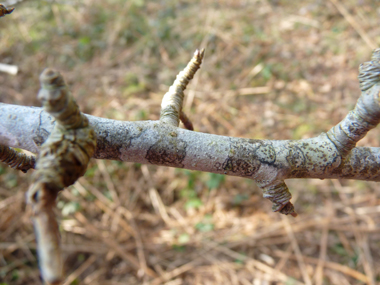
<point>267,162</point>
<point>62,159</point>
<point>16,160</point>
<point>5,11</point>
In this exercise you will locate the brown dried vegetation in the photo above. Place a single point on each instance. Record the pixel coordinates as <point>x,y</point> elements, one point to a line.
<point>272,69</point>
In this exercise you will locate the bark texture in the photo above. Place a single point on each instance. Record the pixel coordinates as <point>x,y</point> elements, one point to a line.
<point>267,162</point>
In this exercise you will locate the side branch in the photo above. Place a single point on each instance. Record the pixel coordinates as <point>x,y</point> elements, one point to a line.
<point>366,114</point>
<point>171,106</point>
<point>16,160</point>
<point>62,159</point>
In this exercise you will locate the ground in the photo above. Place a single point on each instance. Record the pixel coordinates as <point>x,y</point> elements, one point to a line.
<point>273,69</point>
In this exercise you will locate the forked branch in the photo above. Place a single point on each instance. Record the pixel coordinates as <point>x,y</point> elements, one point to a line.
<point>65,141</point>
<point>268,163</point>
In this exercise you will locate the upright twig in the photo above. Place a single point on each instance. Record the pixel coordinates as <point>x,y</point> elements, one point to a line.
<point>62,160</point>
<point>171,106</point>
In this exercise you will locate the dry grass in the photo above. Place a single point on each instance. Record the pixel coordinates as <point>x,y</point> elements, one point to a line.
<point>273,69</point>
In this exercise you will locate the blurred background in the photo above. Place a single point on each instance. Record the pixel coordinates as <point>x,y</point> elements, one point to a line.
<point>273,69</point>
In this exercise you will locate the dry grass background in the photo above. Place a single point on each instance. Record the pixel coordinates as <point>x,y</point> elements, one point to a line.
<point>273,69</point>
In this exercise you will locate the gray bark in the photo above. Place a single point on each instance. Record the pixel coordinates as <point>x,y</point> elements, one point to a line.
<point>267,162</point>
<point>152,142</point>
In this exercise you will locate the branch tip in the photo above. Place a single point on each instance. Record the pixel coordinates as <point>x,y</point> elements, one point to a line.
<point>52,78</point>
<point>366,114</point>
<point>280,196</point>
<point>288,209</point>
<point>57,100</point>
<point>17,160</point>
<point>199,54</point>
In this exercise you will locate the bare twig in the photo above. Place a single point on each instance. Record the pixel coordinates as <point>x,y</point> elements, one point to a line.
<point>171,106</point>
<point>17,160</point>
<point>268,163</point>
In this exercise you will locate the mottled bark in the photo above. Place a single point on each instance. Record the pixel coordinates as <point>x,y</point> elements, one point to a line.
<point>268,163</point>
<point>265,161</point>
<point>171,106</point>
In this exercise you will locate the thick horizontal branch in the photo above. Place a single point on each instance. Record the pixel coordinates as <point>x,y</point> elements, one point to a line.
<point>151,142</point>
<point>268,163</point>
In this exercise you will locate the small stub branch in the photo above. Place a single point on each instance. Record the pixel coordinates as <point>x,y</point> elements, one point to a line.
<point>17,160</point>
<point>171,106</point>
<point>280,196</point>
<point>63,158</point>
<point>186,121</point>
<point>5,11</point>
